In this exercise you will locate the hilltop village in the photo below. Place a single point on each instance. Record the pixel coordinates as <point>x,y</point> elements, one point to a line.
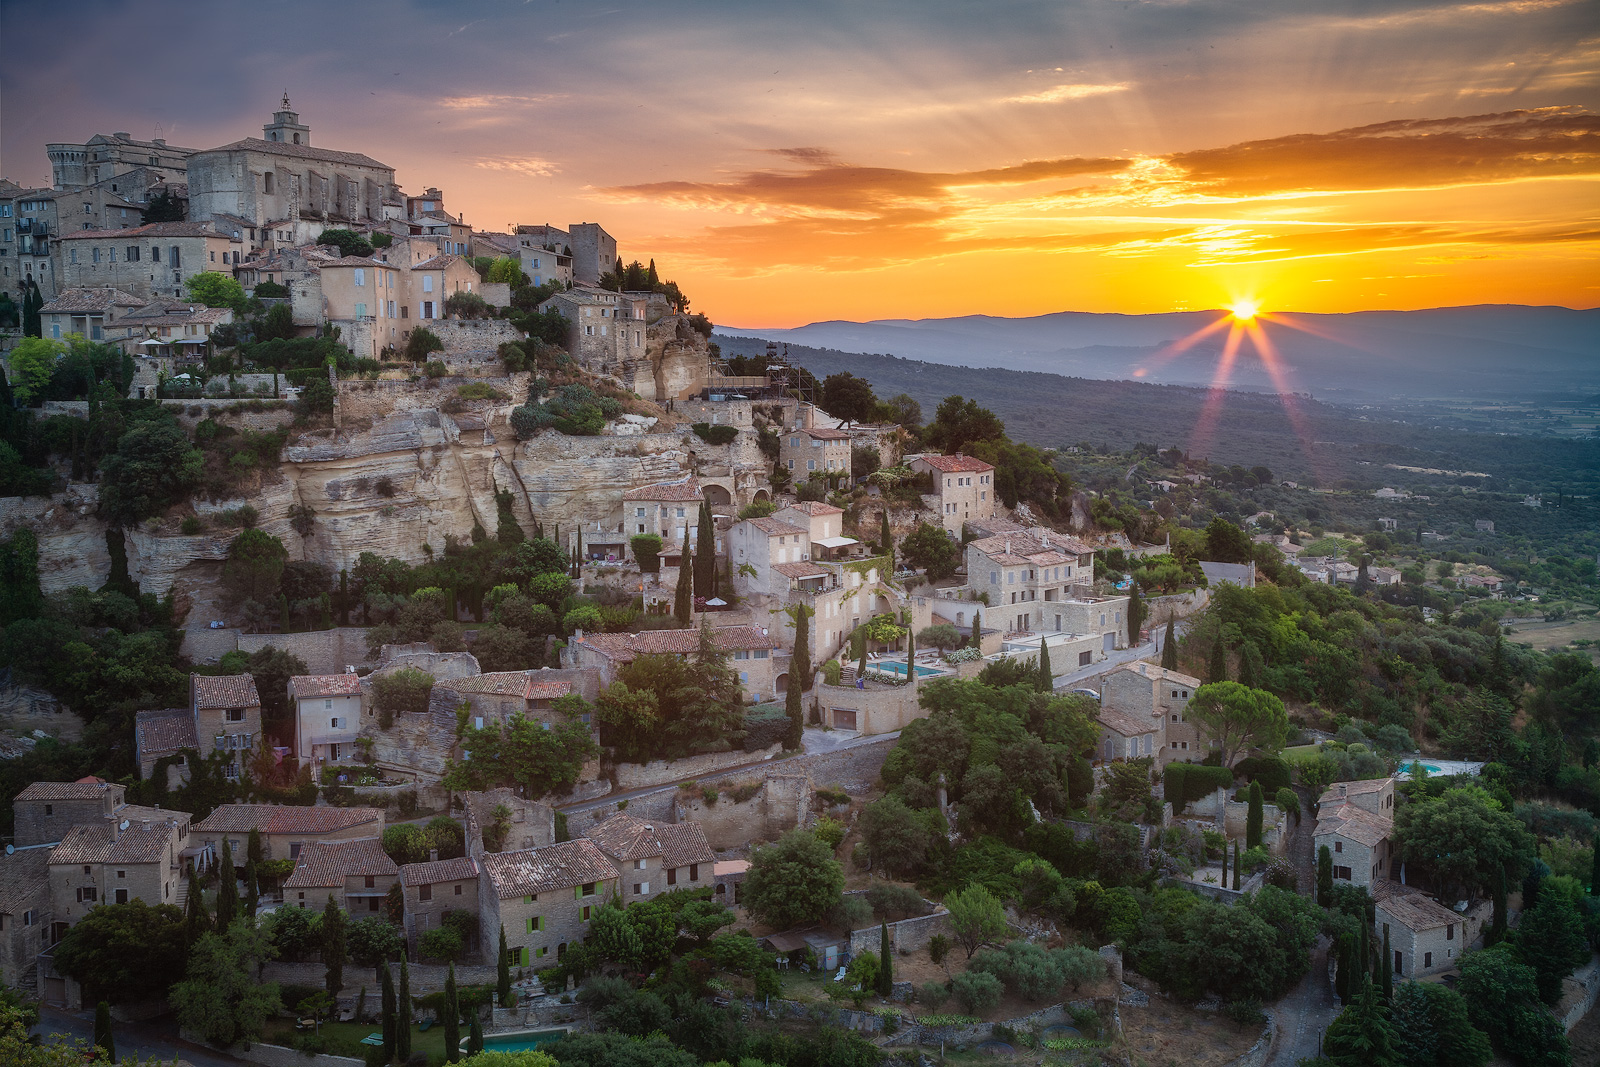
<point>421,640</point>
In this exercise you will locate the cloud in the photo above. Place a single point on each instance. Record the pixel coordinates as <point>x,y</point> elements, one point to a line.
<point>532,166</point>
<point>490,102</point>
<point>1066,92</point>
<point>1408,153</point>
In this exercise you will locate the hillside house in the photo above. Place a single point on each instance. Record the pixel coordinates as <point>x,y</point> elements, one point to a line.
<point>1142,692</point>
<point>497,696</point>
<point>435,888</point>
<point>25,915</point>
<point>1039,581</point>
<point>45,811</point>
<point>670,510</point>
<point>761,544</point>
<point>752,651</point>
<point>285,829</point>
<point>543,898</point>
<point>136,857</point>
<point>653,856</point>
<point>356,873</point>
<point>152,260</point>
<point>1425,937</point>
<point>165,734</point>
<point>227,717</point>
<point>824,526</point>
<point>327,718</point>
<point>1355,821</point>
<point>963,488</point>
<point>814,450</point>
<point>86,312</point>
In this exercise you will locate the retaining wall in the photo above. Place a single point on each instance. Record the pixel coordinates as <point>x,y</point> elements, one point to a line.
<point>659,772</point>
<point>324,651</point>
<point>1588,977</point>
<point>277,1055</point>
<point>905,936</point>
<point>779,805</point>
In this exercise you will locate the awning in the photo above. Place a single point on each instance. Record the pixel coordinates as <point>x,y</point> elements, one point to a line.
<point>151,341</point>
<point>835,542</point>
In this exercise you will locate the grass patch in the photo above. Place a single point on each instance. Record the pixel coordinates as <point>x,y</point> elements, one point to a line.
<point>344,1039</point>
<point>1300,752</point>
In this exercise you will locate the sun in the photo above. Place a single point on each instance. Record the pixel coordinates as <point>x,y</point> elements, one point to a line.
<point>1245,310</point>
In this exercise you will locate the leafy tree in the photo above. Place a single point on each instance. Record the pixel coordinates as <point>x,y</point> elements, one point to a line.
<point>1226,543</point>
<point>216,290</point>
<point>1502,997</point>
<point>1550,939</point>
<point>941,636</point>
<point>1463,838</point>
<point>647,551</point>
<point>221,997</point>
<point>958,424</point>
<point>976,917</point>
<point>373,941</point>
<point>523,753</point>
<point>441,943</point>
<point>421,342</point>
<point>254,567</point>
<point>153,468</point>
<point>348,242</point>
<point>846,397</point>
<point>508,270</point>
<point>976,991</point>
<point>121,951</point>
<point>164,207</point>
<point>32,362</point>
<point>793,881</point>
<point>930,549</point>
<point>1238,718</point>
<point>1361,1035</point>
<point>896,836</point>
<point>1456,1041</point>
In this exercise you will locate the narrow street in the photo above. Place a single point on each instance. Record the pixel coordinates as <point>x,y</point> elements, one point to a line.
<point>1301,1016</point>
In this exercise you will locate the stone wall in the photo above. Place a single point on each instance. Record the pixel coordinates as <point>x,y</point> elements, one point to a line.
<point>779,805</point>
<point>278,1056</point>
<point>906,936</point>
<point>629,776</point>
<point>1587,977</point>
<point>324,651</point>
<point>465,336</point>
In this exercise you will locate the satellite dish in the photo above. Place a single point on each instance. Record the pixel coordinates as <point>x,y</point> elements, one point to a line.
<point>10,849</point>
<point>124,825</point>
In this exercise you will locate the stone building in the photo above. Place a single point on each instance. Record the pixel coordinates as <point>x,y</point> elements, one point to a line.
<point>1425,937</point>
<point>280,183</point>
<point>752,652</point>
<point>814,450</point>
<point>594,252</point>
<point>86,312</point>
<point>543,898</point>
<point>607,329</point>
<point>433,888</point>
<point>107,156</point>
<point>227,716</point>
<point>45,811</point>
<point>664,509</point>
<point>762,544</point>
<point>152,260</point>
<point>25,915</point>
<point>363,297</point>
<point>498,695</point>
<point>33,222</point>
<point>117,860</point>
<point>285,829</point>
<point>1145,692</point>
<point>327,718</point>
<point>963,488</point>
<point>1037,580</point>
<point>1355,820</point>
<point>161,734</point>
<point>356,873</point>
<point>654,856</point>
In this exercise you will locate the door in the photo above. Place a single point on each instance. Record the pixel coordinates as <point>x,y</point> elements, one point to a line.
<point>1397,962</point>
<point>1111,642</point>
<point>844,720</point>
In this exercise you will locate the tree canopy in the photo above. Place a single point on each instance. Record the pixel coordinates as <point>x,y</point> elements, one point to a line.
<point>1239,718</point>
<point>793,881</point>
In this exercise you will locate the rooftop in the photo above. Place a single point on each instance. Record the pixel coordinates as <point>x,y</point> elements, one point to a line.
<point>302,686</point>
<point>149,229</point>
<point>224,691</point>
<point>680,489</point>
<point>324,864</point>
<point>64,791</point>
<point>1414,910</point>
<point>524,684</point>
<point>956,464</point>
<point>103,842</point>
<point>286,819</point>
<point>1339,790</point>
<point>90,301</point>
<point>164,732</point>
<point>813,507</point>
<point>775,527</point>
<point>543,870</point>
<point>1357,824</point>
<point>299,151</point>
<point>624,647</point>
<point>625,837</point>
<point>460,869</point>
<point>1150,670</point>
<point>1127,724</point>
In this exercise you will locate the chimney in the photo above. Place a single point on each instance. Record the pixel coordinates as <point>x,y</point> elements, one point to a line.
<point>433,855</point>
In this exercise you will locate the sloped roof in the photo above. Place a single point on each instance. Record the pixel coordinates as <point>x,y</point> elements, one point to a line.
<point>438,262</point>
<point>625,837</point>
<point>956,464</point>
<point>1127,724</point>
<point>286,819</point>
<point>225,691</point>
<point>1041,548</point>
<point>325,685</point>
<point>24,880</point>
<point>90,300</point>
<point>299,151</point>
<point>102,842</point>
<point>543,870</point>
<point>1358,824</point>
<point>161,733</point>
<point>460,869</point>
<point>63,791</point>
<point>1414,910</point>
<point>813,507</point>
<point>775,527</point>
<point>680,489</point>
<point>1336,792</point>
<point>149,229</point>
<point>798,571</point>
<point>353,261</point>
<point>1150,670</point>
<point>825,435</point>
<point>524,684</point>
<point>324,864</point>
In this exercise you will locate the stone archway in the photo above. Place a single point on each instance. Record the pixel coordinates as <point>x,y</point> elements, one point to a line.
<point>716,495</point>
<point>761,495</point>
<point>782,684</point>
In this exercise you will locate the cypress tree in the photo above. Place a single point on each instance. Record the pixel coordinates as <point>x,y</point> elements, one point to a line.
<point>344,597</point>
<point>333,944</point>
<point>1324,877</point>
<point>452,1017</point>
<point>705,560</point>
<point>253,851</point>
<point>1387,968</point>
<point>800,663</point>
<point>388,1016</point>
<point>911,657</point>
<point>475,1034</point>
<point>252,895</point>
<point>1497,927</point>
<point>502,986</point>
<point>1341,978</point>
<point>1236,864</point>
<point>1594,873</point>
<point>977,630</point>
<point>103,1038</point>
<point>682,596</point>
<point>885,962</point>
<point>227,890</point>
<point>1224,864</point>
<point>1219,661</point>
<point>794,709</point>
<point>1361,1033</point>
<point>1252,832</point>
<point>861,665</point>
<point>886,538</point>
<point>1135,614</point>
<point>402,1022</point>
<point>1169,648</point>
<point>196,921</point>
<point>1046,681</point>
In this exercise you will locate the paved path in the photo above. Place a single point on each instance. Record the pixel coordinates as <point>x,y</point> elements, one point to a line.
<point>1301,1016</point>
<point>815,741</point>
<point>158,1038</point>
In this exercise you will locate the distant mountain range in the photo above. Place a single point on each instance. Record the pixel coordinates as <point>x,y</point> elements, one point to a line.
<point>1490,351</point>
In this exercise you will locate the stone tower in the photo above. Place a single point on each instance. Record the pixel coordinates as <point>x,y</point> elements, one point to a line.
<point>286,126</point>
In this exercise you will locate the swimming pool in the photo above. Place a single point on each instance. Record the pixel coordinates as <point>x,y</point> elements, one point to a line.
<point>898,669</point>
<point>1411,768</point>
<point>519,1041</point>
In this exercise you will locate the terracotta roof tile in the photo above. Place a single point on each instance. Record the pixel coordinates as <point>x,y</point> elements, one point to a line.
<point>1412,909</point>
<point>90,300</point>
<point>1127,724</point>
<point>1358,824</point>
<point>544,870</point>
<point>460,869</point>
<point>627,838</point>
<point>956,464</point>
<point>162,733</point>
<point>524,684</point>
<point>825,435</point>
<point>286,819</point>
<point>104,843</point>
<point>814,507</point>
<point>438,262</point>
<point>1339,790</point>
<point>325,685</point>
<point>775,527</point>
<point>1150,670</point>
<point>149,229</point>
<point>681,489</point>
<point>299,151</point>
<point>801,570</point>
<point>324,864</point>
<point>63,791</point>
<point>624,647</point>
<point>224,691</point>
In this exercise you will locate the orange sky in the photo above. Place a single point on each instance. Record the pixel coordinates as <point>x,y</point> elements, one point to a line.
<point>923,158</point>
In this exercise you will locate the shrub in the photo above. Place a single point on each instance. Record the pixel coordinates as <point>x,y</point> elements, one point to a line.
<point>435,369</point>
<point>192,525</point>
<point>407,689</point>
<point>976,991</point>
<point>1244,1012</point>
<point>895,900</point>
<point>933,994</point>
<point>1271,771</point>
<point>715,435</point>
<point>1284,876</point>
<point>478,391</point>
<point>829,831</point>
<point>938,948</point>
<point>832,672</point>
<point>442,943</point>
<point>1254,859</point>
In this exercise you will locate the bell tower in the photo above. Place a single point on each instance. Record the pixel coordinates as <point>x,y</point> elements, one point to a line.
<point>286,126</point>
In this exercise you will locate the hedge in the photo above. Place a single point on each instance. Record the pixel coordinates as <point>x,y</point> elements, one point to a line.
<point>1271,771</point>
<point>763,727</point>
<point>1184,782</point>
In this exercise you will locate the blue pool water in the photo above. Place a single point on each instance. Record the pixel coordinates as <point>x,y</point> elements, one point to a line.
<point>899,669</point>
<point>1411,768</point>
<point>521,1041</point>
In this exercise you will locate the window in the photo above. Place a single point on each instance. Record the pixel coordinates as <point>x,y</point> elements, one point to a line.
<point>236,715</point>
<point>586,889</point>
<point>371,881</point>
<point>360,277</point>
<point>672,876</point>
<point>1342,873</point>
<point>124,874</point>
<point>155,253</point>
<point>427,283</point>
<point>1450,932</point>
<point>267,183</point>
<point>587,909</point>
<point>535,924</point>
<point>1338,846</point>
<point>1427,960</point>
<point>88,892</point>
<point>641,888</point>
<point>122,896</point>
<point>361,311</point>
<point>294,849</point>
<point>49,809</point>
<point>173,257</point>
<point>458,889</point>
<point>133,254</point>
<point>694,872</point>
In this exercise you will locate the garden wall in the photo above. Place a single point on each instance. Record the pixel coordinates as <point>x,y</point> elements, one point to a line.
<point>779,805</point>
<point>660,772</point>
<point>278,1056</point>
<point>324,651</point>
<point>1588,976</point>
<point>906,936</point>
